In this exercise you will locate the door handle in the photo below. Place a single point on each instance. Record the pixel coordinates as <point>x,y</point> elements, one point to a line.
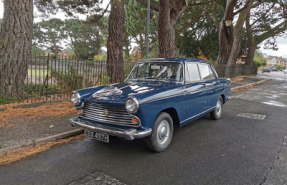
<point>209,84</point>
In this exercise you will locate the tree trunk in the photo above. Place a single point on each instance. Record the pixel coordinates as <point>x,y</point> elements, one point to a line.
<point>169,12</point>
<point>236,45</point>
<point>251,42</point>
<point>226,33</point>
<point>15,46</point>
<point>225,43</point>
<point>250,54</point>
<point>115,61</point>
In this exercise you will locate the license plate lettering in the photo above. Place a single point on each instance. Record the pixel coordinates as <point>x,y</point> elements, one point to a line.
<point>97,136</point>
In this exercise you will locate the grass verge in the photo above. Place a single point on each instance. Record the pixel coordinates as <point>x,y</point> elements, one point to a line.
<point>47,109</point>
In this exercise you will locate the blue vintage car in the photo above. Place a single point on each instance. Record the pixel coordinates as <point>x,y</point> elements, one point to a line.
<point>158,95</point>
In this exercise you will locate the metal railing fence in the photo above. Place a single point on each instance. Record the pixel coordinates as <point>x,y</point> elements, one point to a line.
<point>50,78</point>
<point>232,71</point>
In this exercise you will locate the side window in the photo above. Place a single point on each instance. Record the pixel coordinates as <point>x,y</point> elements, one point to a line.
<point>206,72</point>
<point>191,72</point>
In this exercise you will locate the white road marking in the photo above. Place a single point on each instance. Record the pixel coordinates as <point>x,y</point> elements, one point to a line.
<point>252,116</point>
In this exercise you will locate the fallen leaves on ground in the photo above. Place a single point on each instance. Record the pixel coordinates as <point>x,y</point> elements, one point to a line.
<point>47,109</point>
<point>21,154</point>
<point>236,79</point>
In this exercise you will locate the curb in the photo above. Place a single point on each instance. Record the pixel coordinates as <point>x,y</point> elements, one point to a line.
<point>249,85</point>
<point>35,142</point>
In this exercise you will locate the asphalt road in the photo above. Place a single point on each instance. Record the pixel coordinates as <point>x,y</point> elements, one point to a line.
<point>232,150</point>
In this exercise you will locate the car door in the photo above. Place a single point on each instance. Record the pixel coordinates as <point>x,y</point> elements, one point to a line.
<point>211,83</point>
<point>194,92</point>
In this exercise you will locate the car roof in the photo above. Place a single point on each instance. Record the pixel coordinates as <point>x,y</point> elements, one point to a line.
<point>183,60</point>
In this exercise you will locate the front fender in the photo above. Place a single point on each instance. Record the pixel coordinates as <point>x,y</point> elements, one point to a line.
<point>149,111</point>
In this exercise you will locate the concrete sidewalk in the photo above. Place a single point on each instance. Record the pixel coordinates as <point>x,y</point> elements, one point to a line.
<point>26,132</point>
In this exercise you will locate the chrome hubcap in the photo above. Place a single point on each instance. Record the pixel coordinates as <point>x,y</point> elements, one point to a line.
<point>218,108</point>
<point>163,132</point>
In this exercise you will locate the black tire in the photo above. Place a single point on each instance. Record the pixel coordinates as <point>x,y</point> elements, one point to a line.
<point>217,112</point>
<point>162,133</point>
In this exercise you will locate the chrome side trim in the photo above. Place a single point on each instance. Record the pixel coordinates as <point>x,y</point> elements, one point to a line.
<point>198,114</point>
<point>183,92</point>
<point>128,134</point>
<point>161,98</point>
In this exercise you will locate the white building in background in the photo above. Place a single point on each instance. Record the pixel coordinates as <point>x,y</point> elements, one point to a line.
<point>272,61</point>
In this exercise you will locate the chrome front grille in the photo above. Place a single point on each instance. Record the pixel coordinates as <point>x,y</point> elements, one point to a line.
<point>116,115</point>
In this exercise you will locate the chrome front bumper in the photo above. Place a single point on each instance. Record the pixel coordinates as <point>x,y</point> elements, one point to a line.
<point>129,134</point>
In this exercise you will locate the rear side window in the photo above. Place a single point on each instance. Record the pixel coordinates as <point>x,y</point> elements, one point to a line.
<point>192,73</point>
<point>206,72</point>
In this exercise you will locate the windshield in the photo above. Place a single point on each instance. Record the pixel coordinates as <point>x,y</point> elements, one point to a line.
<point>166,71</point>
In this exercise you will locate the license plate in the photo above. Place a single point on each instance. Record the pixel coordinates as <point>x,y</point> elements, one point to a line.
<point>97,136</point>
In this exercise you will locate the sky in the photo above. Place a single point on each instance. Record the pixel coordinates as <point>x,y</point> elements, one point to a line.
<point>281,42</point>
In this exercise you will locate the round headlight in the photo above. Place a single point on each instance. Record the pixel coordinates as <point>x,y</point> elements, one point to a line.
<point>132,105</point>
<point>75,98</point>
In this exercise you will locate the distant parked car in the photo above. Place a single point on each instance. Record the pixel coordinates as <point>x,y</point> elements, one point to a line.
<point>266,69</point>
<point>157,95</point>
<point>285,71</point>
<point>274,69</point>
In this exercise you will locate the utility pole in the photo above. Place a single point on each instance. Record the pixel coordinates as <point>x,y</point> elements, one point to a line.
<point>148,23</point>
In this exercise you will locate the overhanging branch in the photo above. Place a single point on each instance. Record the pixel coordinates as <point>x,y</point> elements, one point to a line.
<point>272,32</point>
<point>245,6</point>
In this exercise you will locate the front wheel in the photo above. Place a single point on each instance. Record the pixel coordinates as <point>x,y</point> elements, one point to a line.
<point>217,112</point>
<point>162,133</point>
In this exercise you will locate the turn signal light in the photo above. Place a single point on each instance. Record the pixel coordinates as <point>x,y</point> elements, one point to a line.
<point>135,120</point>
<point>80,111</point>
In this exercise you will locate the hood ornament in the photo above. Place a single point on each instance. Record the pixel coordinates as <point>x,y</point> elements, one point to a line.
<point>108,91</point>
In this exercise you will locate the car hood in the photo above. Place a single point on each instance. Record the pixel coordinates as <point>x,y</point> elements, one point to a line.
<point>118,93</point>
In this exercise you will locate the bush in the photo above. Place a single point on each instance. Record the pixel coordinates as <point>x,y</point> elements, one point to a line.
<point>100,57</point>
<point>74,79</point>
<point>40,89</point>
<point>6,100</point>
<point>279,67</point>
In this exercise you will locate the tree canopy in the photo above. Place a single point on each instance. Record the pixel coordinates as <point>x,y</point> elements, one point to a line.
<point>135,26</point>
<point>49,34</point>
<point>196,28</point>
